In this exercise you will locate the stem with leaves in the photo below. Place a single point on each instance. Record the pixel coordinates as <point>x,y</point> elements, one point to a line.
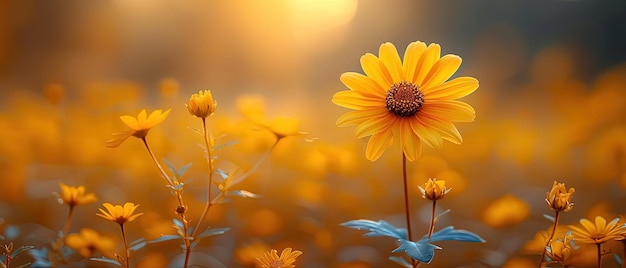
<point>556,223</point>
<point>127,257</point>
<point>209,202</point>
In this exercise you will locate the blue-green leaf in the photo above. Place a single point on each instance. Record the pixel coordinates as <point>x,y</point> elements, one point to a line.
<point>380,228</point>
<point>137,244</point>
<point>450,234</point>
<point>617,258</point>
<point>212,232</point>
<point>170,166</point>
<point>550,218</point>
<point>420,250</point>
<point>107,260</point>
<point>165,238</point>
<point>182,170</point>
<point>178,224</point>
<point>242,193</point>
<point>20,250</point>
<point>401,261</point>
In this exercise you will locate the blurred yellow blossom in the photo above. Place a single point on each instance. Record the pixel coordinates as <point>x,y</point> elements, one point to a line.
<point>505,211</point>
<point>202,104</point>
<point>118,213</point>
<point>599,231</point>
<point>54,93</point>
<point>559,198</point>
<point>139,126</point>
<point>286,259</point>
<point>73,196</point>
<point>408,99</point>
<point>561,250</point>
<point>88,242</point>
<point>247,254</point>
<point>434,189</point>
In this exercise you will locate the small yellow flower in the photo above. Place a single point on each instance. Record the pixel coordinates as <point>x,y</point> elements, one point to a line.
<point>599,232</point>
<point>560,250</point>
<point>202,104</point>
<point>88,241</point>
<point>559,199</point>
<point>286,259</point>
<point>118,213</point>
<point>434,189</point>
<point>139,126</point>
<point>73,196</point>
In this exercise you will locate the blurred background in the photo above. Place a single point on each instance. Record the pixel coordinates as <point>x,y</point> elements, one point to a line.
<point>551,106</point>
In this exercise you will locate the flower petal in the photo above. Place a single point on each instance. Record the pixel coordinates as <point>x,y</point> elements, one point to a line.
<point>356,101</point>
<point>130,121</point>
<point>449,111</point>
<point>377,145</point>
<point>389,57</point>
<point>454,89</point>
<point>360,116</point>
<point>426,133</point>
<point>412,55</point>
<point>376,70</point>
<point>411,145</point>
<point>141,119</point>
<point>363,85</point>
<point>447,130</point>
<point>374,125</point>
<point>443,69</point>
<point>425,63</point>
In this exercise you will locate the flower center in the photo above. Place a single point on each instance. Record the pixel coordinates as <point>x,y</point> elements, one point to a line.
<point>404,99</point>
<point>277,264</point>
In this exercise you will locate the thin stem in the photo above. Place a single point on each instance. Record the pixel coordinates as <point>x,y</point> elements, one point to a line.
<point>432,220</point>
<point>68,222</point>
<point>210,183</point>
<point>165,176</point>
<point>556,223</point>
<point>406,204</point>
<point>127,259</point>
<point>624,254</point>
<point>599,265</point>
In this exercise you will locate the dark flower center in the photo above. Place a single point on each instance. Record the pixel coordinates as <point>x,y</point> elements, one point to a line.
<point>404,99</point>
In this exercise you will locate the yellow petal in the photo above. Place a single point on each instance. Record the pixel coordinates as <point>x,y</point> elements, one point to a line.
<point>141,119</point>
<point>449,111</point>
<point>130,121</point>
<point>454,89</point>
<point>359,116</point>
<point>363,85</point>
<point>377,145</point>
<point>376,70</point>
<point>353,100</point>
<point>389,57</point>
<point>588,225</point>
<point>446,129</point>
<point>374,125</point>
<point>426,133</point>
<point>411,145</point>
<point>426,62</point>
<point>412,55</point>
<point>443,69</point>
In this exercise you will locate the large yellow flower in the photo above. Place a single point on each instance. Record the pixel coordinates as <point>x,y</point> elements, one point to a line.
<point>286,259</point>
<point>73,196</point>
<point>408,101</point>
<point>119,214</point>
<point>599,232</point>
<point>139,126</point>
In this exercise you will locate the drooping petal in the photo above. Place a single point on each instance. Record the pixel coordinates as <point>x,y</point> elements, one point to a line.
<point>428,135</point>
<point>374,125</point>
<point>375,69</point>
<point>363,85</point>
<point>377,145</point>
<point>411,57</point>
<point>411,145</point>
<point>451,111</point>
<point>353,100</point>
<point>446,129</point>
<point>426,62</point>
<point>389,56</point>
<point>360,116</point>
<point>454,89</point>
<point>443,69</point>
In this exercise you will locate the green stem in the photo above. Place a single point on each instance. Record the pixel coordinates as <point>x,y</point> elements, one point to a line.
<point>210,183</point>
<point>556,223</point>
<point>165,176</point>
<point>127,259</point>
<point>406,204</point>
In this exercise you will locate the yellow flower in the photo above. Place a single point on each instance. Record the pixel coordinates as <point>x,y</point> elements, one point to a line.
<point>558,199</point>
<point>408,101</point>
<point>88,241</point>
<point>560,250</point>
<point>599,232</point>
<point>434,189</point>
<point>202,104</point>
<point>54,93</point>
<point>119,214</point>
<point>286,259</point>
<point>73,196</point>
<point>139,126</point>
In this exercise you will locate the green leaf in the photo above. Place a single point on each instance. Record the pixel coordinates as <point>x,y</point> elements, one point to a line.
<point>182,170</point>
<point>450,234</point>
<point>169,166</point>
<point>550,218</point>
<point>420,250</point>
<point>20,250</point>
<point>212,232</point>
<point>107,260</point>
<point>380,228</point>
<point>165,238</point>
<point>401,261</point>
<point>137,244</point>
<point>242,193</point>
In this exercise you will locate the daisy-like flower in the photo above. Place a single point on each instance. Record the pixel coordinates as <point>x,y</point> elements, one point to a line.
<point>561,250</point>
<point>434,189</point>
<point>88,242</point>
<point>559,199</point>
<point>599,232</point>
<point>118,213</point>
<point>409,101</point>
<point>139,126</point>
<point>286,259</point>
<point>73,196</point>
<point>202,104</point>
